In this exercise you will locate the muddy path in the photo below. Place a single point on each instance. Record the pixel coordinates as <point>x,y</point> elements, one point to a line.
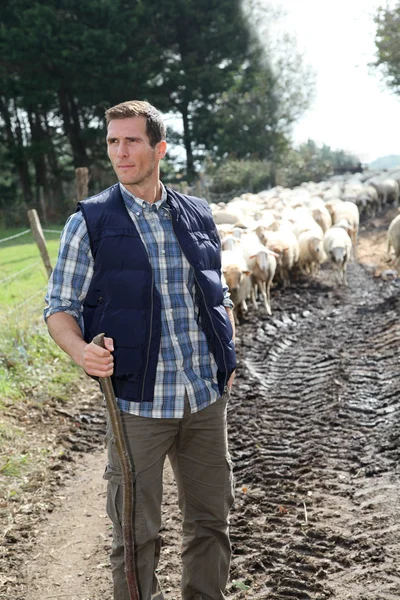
<point>314,434</point>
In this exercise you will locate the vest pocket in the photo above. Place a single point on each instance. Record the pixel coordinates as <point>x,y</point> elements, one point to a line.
<point>98,313</point>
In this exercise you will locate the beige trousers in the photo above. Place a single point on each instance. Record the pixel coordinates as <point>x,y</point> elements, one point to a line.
<point>198,451</point>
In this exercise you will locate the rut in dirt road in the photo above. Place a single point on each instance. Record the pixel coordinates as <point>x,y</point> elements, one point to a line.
<point>315,429</point>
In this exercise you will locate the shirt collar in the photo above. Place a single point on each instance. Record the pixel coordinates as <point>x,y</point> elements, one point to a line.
<point>142,203</point>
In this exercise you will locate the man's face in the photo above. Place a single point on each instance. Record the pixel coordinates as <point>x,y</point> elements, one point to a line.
<point>129,150</point>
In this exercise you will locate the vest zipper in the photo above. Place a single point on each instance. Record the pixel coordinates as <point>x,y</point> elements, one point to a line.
<point>205,304</point>
<point>151,328</point>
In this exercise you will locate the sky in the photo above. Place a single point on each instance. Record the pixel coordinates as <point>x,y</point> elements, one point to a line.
<point>352,110</point>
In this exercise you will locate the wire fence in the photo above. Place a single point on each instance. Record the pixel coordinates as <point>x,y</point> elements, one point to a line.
<point>12,237</point>
<point>24,284</point>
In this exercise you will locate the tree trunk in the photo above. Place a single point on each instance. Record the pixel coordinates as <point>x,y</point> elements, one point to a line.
<point>72,128</point>
<point>56,189</point>
<point>38,155</point>
<point>17,150</point>
<point>187,140</point>
<point>77,130</point>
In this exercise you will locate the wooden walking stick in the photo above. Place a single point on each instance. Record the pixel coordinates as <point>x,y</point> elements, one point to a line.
<point>127,482</point>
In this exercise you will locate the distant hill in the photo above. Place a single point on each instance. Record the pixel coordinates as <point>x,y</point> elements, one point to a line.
<point>386,162</point>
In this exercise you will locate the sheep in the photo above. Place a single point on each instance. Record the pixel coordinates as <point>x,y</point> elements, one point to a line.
<point>284,243</point>
<point>306,222</point>
<point>227,215</point>
<point>337,246</point>
<point>229,242</point>
<point>368,200</point>
<point>331,203</point>
<point>237,277</point>
<point>321,216</point>
<point>350,212</point>
<point>262,264</point>
<point>311,253</point>
<point>224,229</point>
<point>393,240</point>
<point>392,191</point>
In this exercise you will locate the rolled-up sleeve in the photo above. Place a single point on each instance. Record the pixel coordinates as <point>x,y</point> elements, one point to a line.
<point>227,302</point>
<point>70,280</point>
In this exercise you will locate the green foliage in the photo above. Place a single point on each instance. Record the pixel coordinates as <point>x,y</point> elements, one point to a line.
<point>15,466</point>
<point>387,42</point>
<point>309,162</point>
<point>22,272</point>
<point>31,364</point>
<point>237,176</point>
<point>64,62</point>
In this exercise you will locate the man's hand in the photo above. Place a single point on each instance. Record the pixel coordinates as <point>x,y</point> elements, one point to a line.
<point>230,381</point>
<point>229,312</point>
<point>98,361</point>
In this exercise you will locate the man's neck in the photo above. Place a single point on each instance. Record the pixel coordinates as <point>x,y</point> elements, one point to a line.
<point>150,193</point>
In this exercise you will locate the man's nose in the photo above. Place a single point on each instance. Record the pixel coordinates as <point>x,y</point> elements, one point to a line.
<point>122,150</point>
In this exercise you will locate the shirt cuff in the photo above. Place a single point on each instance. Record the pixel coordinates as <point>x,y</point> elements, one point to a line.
<point>56,309</point>
<point>227,302</point>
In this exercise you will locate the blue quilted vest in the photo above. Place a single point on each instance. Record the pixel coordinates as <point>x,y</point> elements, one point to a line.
<point>123,302</point>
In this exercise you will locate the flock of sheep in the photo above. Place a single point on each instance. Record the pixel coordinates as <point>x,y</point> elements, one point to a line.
<point>272,235</point>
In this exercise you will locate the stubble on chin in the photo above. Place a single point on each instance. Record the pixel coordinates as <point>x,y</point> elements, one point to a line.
<point>141,179</point>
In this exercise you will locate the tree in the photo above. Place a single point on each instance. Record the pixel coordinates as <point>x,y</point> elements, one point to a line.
<point>309,162</point>
<point>237,96</point>
<point>62,63</point>
<point>387,42</point>
<point>204,44</point>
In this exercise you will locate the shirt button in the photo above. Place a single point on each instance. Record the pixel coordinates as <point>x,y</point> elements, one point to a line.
<point>165,280</point>
<point>162,251</point>
<point>138,214</point>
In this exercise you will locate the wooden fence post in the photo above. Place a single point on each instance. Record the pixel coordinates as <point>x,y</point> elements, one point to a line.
<point>82,183</point>
<point>39,239</point>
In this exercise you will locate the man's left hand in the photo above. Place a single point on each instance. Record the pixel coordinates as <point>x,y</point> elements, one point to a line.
<point>230,381</point>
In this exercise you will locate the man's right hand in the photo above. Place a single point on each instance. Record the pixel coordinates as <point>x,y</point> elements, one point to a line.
<point>98,361</point>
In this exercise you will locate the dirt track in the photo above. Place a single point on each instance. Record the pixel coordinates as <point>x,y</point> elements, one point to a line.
<point>314,430</point>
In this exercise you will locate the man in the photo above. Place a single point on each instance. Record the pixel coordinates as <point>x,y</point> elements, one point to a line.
<point>141,263</point>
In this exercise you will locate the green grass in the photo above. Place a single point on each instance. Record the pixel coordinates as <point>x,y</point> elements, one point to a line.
<point>14,466</point>
<point>22,272</point>
<point>33,369</point>
<point>31,364</point>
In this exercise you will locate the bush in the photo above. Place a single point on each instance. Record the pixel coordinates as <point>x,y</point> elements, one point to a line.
<point>239,176</point>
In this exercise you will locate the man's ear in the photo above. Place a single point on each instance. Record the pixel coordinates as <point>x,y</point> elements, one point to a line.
<point>162,149</point>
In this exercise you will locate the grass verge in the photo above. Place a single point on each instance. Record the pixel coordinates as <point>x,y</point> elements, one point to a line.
<point>33,371</point>
<point>31,364</point>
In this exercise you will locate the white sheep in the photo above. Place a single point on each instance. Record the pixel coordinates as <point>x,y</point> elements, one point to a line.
<point>311,253</point>
<point>320,213</point>
<point>237,277</point>
<point>337,247</point>
<point>393,240</point>
<point>284,243</point>
<point>262,263</point>
<point>227,215</point>
<point>350,212</point>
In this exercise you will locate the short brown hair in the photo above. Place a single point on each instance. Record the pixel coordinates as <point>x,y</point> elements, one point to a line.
<point>155,127</point>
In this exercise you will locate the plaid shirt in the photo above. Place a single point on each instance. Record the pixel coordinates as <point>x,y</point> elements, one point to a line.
<point>184,362</point>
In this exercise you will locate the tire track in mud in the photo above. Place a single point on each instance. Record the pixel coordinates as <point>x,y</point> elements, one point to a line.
<point>315,435</point>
